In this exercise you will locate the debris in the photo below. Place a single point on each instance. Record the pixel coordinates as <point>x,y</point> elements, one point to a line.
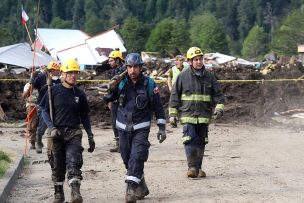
<point>292,111</point>
<point>3,117</point>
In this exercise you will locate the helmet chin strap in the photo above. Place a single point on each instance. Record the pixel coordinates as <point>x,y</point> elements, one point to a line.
<point>71,85</point>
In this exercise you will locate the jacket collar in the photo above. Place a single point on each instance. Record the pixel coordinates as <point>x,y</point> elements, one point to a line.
<point>202,73</point>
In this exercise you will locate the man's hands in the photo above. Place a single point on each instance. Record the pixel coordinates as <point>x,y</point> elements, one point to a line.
<point>91,143</point>
<point>218,114</point>
<point>173,122</point>
<point>161,135</point>
<point>55,133</point>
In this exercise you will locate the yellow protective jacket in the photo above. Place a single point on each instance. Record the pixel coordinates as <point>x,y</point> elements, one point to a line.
<point>193,97</point>
<point>176,72</point>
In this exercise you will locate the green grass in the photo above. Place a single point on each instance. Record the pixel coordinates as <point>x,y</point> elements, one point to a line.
<point>4,163</point>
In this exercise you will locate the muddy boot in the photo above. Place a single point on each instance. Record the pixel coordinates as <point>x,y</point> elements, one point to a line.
<point>116,147</point>
<point>59,194</point>
<point>192,172</point>
<point>75,191</point>
<point>201,173</point>
<point>141,190</point>
<point>130,193</point>
<point>192,156</point>
<point>32,145</point>
<point>39,145</point>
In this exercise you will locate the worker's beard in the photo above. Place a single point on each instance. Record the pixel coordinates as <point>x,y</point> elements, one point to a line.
<point>135,77</point>
<point>70,84</point>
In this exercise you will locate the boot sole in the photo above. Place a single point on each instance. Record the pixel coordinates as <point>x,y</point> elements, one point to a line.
<point>192,175</point>
<point>130,200</point>
<point>79,200</point>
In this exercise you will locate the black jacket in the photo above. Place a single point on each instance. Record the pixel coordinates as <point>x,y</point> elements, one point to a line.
<point>193,97</point>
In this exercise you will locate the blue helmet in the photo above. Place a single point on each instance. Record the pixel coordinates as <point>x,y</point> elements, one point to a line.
<point>133,59</point>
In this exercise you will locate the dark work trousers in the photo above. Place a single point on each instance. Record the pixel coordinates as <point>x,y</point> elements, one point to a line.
<point>41,125</point>
<point>134,150</point>
<point>65,154</point>
<point>195,147</point>
<point>113,118</point>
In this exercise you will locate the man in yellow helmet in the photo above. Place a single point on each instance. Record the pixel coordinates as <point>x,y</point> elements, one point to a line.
<point>68,107</point>
<point>116,63</point>
<point>195,93</point>
<point>52,72</point>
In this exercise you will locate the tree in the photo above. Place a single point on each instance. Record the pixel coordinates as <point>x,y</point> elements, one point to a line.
<point>78,14</point>
<point>94,25</point>
<point>255,44</point>
<point>207,33</point>
<point>290,34</point>
<point>246,17</point>
<point>135,34</point>
<point>169,37</point>
<point>61,24</point>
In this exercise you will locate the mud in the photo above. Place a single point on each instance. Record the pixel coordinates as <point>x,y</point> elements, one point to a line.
<point>246,102</point>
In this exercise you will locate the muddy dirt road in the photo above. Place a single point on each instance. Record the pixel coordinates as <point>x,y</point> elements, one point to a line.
<point>243,164</point>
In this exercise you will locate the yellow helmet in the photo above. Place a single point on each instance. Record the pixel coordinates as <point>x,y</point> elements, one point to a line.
<point>70,65</point>
<point>193,52</point>
<point>116,54</point>
<point>53,65</point>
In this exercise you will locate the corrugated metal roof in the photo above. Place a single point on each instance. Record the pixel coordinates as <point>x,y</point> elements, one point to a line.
<point>22,55</point>
<point>82,53</point>
<point>108,39</point>
<point>88,52</point>
<point>55,40</point>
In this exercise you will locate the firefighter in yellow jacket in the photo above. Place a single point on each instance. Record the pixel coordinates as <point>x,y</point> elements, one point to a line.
<point>195,94</point>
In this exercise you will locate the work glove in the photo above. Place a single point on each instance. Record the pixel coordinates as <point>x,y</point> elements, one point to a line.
<point>161,134</point>
<point>218,114</point>
<point>55,133</point>
<point>91,143</point>
<point>173,122</point>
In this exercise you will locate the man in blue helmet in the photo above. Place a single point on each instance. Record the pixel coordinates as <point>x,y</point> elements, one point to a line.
<point>138,98</point>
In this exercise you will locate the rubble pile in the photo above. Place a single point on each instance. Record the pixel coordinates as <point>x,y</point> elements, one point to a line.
<point>254,99</point>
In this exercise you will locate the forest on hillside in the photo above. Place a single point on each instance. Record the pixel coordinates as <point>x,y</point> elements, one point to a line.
<point>247,28</point>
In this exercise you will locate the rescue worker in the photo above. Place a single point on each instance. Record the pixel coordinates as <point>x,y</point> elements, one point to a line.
<point>30,96</point>
<point>175,71</point>
<point>194,95</point>
<point>116,63</point>
<point>138,98</point>
<point>40,83</point>
<point>69,108</point>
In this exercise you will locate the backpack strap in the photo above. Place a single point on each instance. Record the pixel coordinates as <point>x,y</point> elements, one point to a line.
<point>121,85</point>
<point>149,87</point>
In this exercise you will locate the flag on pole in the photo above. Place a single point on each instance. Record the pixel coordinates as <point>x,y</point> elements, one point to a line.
<point>24,16</point>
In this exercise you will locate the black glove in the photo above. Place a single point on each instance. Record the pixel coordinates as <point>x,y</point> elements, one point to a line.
<point>161,135</point>
<point>55,133</point>
<point>91,143</point>
<point>218,114</point>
